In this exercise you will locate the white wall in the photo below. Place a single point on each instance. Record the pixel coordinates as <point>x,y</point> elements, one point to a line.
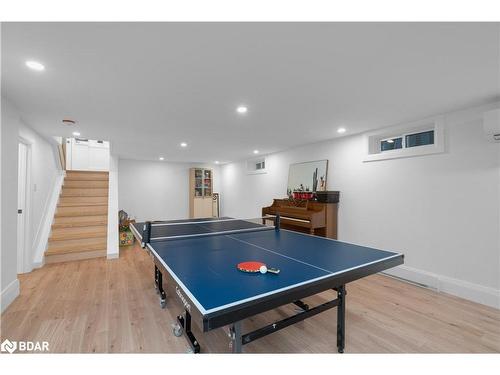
<point>152,190</point>
<point>9,282</point>
<point>45,174</point>
<point>442,211</point>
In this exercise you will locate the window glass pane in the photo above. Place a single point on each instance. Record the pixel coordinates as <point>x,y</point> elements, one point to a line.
<point>420,139</point>
<point>260,165</point>
<point>391,144</point>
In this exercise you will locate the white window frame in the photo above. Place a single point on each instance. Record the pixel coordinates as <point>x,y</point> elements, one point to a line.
<point>373,140</point>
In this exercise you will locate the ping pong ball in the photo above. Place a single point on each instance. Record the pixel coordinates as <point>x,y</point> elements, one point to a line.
<point>263,269</point>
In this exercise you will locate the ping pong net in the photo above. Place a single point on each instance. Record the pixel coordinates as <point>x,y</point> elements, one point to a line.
<point>170,230</point>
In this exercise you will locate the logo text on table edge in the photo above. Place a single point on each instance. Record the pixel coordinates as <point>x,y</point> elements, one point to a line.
<point>185,302</point>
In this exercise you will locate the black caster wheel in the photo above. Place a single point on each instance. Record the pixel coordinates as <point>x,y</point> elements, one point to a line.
<point>163,303</point>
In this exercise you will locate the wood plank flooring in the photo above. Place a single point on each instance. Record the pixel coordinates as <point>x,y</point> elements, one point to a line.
<point>110,306</point>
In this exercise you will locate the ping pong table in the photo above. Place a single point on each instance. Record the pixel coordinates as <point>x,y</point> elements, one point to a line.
<point>197,261</point>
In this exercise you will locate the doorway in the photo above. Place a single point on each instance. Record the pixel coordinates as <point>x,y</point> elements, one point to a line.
<point>23,183</point>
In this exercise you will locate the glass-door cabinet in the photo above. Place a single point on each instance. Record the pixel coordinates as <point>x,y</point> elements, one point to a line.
<point>207,183</point>
<point>200,192</point>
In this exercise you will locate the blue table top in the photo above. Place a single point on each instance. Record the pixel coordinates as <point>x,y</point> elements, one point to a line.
<point>205,267</point>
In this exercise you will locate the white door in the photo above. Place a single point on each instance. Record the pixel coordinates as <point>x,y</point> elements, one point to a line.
<point>21,205</point>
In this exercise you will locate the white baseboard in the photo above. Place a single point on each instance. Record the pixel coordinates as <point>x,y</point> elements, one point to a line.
<point>9,294</point>
<point>39,264</point>
<point>463,289</point>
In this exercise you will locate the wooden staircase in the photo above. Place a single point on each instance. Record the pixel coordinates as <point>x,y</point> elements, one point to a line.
<point>80,227</point>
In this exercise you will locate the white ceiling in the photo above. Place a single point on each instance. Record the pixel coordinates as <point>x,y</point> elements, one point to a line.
<point>148,86</point>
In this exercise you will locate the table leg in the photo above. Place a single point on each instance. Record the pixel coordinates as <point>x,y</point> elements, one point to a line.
<point>341,318</point>
<point>156,279</point>
<point>163,296</point>
<point>185,327</point>
<point>236,342</point>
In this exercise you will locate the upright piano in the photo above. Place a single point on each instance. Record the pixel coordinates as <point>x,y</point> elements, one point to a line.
<point>305,216</point>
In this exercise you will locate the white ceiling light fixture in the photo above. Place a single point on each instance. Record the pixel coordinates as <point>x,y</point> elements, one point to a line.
<point>184,144</point>
<point>242,109</point>
<point>161,158</point>
<point>341,130</point>
<point>76,134</point>
<point>255,152</point>
<point>35,65</point>
<point>216,162</point>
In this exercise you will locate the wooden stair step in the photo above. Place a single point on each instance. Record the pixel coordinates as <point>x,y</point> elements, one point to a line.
<point>84,175</point>
<point>81,210</point>
<point>94,231</point>
<point>85,192</point>
<point>82,184</point>
<point>78,221</point>
<point>76,245</point>
<point>70,257</point>
<point>82,201</point>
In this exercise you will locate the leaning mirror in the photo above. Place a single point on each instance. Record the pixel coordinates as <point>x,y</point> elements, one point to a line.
<point>307,177</point>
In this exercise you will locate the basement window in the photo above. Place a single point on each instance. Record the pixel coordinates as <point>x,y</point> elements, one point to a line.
<point>260,165</point>
<point>255,166</point>
<point>407,140</point>
<point>415,139</point>
<point>420,139</point>
<point>391,144</point>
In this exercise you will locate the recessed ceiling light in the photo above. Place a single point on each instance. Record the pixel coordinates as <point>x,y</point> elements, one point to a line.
<point>67,121</point>
<point>184,144</point>
<point>76,134</point>
<point>35,65</point>
<point>161,158</point>
<point>255,151</point>
<point>390,141</point>
<point>216,162</point>
<point>341,130</point>
<point>242,109</point>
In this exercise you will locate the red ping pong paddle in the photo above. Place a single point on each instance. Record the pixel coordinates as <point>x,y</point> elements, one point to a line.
<point>254,267</point>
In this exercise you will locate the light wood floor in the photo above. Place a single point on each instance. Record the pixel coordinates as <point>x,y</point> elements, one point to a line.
<point>106,306</point>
